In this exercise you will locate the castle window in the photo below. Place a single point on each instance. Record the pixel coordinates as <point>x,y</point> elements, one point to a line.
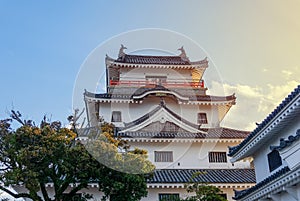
<point>77,197</point>
<point>274,160</point>
<point>202,118</point>
<point>158,80</point>
<point>163,156</point>
<point>168,196</point>
<point>116,116</point>
<point>217,157</point>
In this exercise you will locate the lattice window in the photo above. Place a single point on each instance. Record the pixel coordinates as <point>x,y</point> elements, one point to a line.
<point>168,196</point>
<point>77,197</point>
<point>217,157</point>
<point>163,156</point>
<point>158,80</point>
<point>274,160</point>
<point>116,116</point>
<point>202,118</point>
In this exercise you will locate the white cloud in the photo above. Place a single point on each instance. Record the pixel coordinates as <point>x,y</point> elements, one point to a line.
<point>253,103</point>
<point>280,91</point>
<point>248,91</point>
<point>286,73</point>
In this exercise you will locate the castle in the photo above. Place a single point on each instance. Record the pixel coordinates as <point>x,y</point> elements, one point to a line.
<point>160,104</point>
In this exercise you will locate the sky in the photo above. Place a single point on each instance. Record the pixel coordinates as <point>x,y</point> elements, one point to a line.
<point>253,45</point>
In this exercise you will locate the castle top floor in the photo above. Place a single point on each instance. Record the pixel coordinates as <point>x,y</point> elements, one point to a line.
<point>136,71</point>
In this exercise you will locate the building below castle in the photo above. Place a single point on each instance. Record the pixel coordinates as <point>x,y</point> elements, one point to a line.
<point>275,147</point>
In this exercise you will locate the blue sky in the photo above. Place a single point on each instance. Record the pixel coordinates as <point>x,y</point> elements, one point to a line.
<point>254,44</point>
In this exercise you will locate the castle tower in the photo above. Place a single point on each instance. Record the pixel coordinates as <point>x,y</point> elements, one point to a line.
<point>159,103</point>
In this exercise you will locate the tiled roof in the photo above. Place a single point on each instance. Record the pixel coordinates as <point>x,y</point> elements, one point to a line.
<point>270,117</point>
<point>286,142</point>
<point>213,133</point>
<point>162,89</point>
<point>213,98</point>
<point>164,60</point>
<point>165,134</point>
<point>224,132</point>
<point>243,193</point>
<point>206,176</point>
<point>143,90</point>
<point>107,95</point>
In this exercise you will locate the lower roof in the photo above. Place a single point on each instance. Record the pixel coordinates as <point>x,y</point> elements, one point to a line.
<point>210,133</point>
<point>203,175</point>
<point>260,185</point>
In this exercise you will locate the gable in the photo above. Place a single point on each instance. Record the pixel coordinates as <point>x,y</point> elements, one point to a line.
<point>158,117</point>
<point>159,126</point>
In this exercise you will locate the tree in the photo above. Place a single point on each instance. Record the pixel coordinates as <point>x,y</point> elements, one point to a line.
<point>36,155</point>
<point>129,169</point>
<point>202,191</point>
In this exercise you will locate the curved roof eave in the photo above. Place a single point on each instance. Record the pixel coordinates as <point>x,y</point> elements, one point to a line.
<point>193,99</point>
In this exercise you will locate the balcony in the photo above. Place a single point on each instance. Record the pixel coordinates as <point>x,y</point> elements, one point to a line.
<point>151,84</point>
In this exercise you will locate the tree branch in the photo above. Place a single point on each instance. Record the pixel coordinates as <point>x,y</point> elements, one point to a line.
<point>15,195</point>
<point>16,116</point>
<point>76,189</point>
<point>44,191</point>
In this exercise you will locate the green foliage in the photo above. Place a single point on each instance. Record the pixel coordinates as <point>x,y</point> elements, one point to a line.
<point>36,155</point>
<point>202,191</point>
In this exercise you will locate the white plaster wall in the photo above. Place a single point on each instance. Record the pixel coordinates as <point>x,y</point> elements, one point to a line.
<point>187,155</point>
<point>260,157</point>
<point>92,113</point>
<point>153,193</point>
<point>133,111</point>
<point>141,73</point>
<point>291,155</point>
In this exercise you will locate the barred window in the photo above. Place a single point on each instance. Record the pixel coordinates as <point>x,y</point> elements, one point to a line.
<point>163,156</point>
<point>158,80</point>
<point>77,197</point>
<point>168,196</point>
<point>274,160</point>
<point>217,157</point>
<point>202,118</point>
<point>116,116</point>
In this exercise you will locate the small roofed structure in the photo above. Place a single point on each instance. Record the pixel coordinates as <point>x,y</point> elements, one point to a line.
<point>275,148</point>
